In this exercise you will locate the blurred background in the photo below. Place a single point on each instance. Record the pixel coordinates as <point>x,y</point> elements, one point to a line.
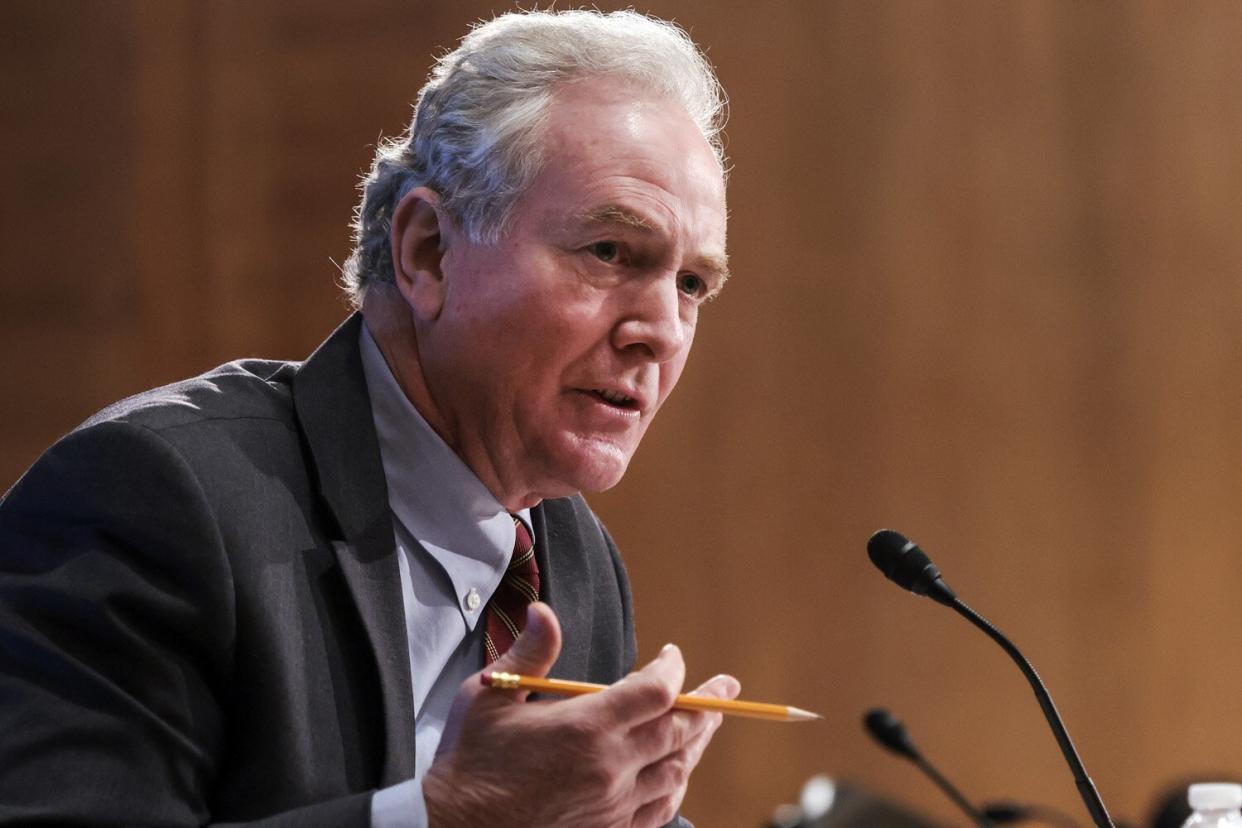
<point>988,288</point>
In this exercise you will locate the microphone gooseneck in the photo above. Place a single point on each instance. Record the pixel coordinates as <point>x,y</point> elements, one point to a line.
<point>890,733</point>
<point>903,562</point>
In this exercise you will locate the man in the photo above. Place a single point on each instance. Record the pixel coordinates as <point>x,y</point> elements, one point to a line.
<point>264,595</point>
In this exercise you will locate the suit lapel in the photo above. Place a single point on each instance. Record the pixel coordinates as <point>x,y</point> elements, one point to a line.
<point>562,575</point>
<point>334,410</point>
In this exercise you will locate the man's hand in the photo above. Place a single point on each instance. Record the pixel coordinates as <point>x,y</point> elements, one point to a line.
<point>620,757</point>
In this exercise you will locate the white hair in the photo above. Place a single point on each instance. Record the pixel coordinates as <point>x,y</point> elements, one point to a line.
<point>474,137</point>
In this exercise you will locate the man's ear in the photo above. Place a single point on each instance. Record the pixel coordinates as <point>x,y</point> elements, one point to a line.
<point>417,249</point>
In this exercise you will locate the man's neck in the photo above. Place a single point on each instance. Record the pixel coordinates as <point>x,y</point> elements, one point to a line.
<point>391,325</point>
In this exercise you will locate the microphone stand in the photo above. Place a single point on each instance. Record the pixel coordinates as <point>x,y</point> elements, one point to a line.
<point>952,793</point>
<point>1086,788</point>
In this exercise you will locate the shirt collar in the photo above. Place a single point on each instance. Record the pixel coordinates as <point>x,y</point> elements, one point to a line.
<point>431,491</point>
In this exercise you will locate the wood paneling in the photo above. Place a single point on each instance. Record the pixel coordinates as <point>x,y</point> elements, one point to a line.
<point>988,292</point>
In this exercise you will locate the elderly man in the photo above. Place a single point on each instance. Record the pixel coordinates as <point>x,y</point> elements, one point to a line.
<point>265,594</point>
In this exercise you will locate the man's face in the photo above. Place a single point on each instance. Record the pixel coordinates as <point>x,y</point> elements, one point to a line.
<point>556,346</point>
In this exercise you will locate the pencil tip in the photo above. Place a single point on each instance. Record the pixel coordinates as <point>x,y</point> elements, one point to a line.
<point>799,715</point>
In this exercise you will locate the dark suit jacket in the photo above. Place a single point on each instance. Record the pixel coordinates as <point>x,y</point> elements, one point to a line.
<point>200,610</point>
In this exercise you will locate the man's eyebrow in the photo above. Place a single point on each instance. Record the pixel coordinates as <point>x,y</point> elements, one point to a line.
<point>616,214</point>
<point>717,266</point>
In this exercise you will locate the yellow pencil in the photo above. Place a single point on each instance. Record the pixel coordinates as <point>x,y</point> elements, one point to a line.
<point>730,707</point>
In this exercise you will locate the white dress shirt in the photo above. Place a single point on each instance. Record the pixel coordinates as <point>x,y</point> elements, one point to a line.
<point>454,541</point>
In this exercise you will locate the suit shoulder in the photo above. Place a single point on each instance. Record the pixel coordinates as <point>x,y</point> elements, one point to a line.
<point>240,390</point>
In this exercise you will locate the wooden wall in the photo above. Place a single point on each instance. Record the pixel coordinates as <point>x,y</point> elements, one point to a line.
<point>988,291</point>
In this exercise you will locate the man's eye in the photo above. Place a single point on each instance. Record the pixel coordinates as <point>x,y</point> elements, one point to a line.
<point>691,285</point>
<point>606,251</point>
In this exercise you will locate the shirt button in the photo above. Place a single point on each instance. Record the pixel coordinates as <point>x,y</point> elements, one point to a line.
<point>473,600</point>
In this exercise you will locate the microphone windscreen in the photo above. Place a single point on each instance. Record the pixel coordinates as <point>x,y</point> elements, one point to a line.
<point>886,729</point>
<point>903,563</point>
<point>899,558</point>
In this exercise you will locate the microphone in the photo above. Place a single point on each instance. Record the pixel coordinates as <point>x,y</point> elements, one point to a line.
<point>891,734</point>
<point>905,564</point>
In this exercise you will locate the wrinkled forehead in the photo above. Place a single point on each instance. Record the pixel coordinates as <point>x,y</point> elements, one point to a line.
<point>603,89</point>
<point>606,141</point>
<point>610,113</point>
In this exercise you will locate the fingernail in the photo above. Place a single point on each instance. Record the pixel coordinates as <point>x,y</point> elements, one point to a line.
<point>666,649</point>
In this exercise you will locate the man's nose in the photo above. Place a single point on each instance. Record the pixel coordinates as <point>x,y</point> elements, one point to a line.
<point>652,319</point>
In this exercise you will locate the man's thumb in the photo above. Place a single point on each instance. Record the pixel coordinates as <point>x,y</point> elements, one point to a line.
<point>535,650</point>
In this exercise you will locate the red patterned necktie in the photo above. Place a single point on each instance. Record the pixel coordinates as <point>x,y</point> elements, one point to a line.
<point>506,612</point>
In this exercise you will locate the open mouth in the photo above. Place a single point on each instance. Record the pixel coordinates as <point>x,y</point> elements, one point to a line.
<point>614,398</point>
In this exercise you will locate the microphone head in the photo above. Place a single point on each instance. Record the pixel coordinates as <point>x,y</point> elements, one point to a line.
<point>888,730</point>
<point>903,563</point>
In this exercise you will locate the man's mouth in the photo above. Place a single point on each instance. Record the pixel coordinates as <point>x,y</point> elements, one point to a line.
<point>614,398</point>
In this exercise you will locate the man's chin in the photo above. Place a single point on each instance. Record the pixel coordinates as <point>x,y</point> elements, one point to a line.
<point>595,470</point>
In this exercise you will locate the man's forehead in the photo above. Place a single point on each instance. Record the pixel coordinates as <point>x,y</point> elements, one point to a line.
<point>607,117</point>
<point>618,156</point>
